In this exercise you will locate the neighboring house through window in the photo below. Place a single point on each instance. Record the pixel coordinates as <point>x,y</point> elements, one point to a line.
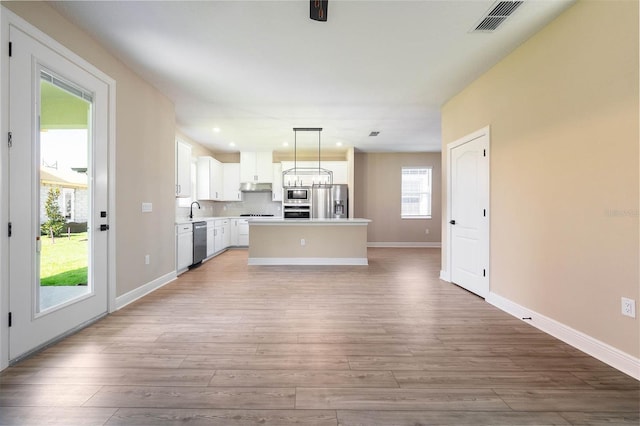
<point>416,193</point>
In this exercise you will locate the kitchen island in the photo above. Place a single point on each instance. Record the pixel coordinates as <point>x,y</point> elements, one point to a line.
<point>308,241</point>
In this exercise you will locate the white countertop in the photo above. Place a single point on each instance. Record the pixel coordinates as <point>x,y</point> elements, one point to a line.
<point>298,222</point>
<point>182,221</point>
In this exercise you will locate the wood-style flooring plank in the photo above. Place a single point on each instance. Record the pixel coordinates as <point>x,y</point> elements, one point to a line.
<point>110,376</point>
<point>193,397</point>
<point>213,417</point>
<point>458,418</point>
<point>55,416</point>
<point>398,399</point>
<point>46,395</point>
<point>306,378</point>
<point>489,380</point>
<point>572,400</point>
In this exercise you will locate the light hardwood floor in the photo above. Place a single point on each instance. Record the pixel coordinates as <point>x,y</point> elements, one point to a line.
<point>387,344</point>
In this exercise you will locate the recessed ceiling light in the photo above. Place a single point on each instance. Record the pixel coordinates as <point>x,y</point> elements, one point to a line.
<point>285,143</point>
<point>232,144</point>
<point>216,129</point>
<point>338,143</point>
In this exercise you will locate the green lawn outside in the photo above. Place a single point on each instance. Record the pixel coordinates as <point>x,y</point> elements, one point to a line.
<point>64,263</point>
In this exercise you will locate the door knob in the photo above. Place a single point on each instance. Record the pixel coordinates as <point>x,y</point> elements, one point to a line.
<point>453,222</point>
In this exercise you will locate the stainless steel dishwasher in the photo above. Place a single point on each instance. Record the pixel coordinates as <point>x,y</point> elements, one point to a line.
<point>199,242</point>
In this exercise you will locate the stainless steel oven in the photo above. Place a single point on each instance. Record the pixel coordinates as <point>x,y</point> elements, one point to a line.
<point>300,211</point>
<point>296,195</point>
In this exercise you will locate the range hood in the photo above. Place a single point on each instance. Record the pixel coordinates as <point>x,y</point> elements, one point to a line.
<point>255,187</point>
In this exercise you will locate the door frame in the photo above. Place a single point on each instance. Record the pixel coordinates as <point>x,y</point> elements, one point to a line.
<point>485,131</point>
<point>8,18</point>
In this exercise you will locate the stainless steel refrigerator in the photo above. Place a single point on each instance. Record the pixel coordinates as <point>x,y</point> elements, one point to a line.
<point>340,201</point>
<point>321,201</point>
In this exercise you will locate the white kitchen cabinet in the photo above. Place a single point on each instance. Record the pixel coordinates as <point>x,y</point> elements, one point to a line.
<point>183,169</point>
<point>239,232</point>
<point>243,232</point>
<point>233,241</point>
<point>184,246</point>
<point>276,186</point>
<point>256,167</point>
<point>339,169</point>
<point>231,182</point>
<point>226,234</point>
<point>211,248</point>
<point>222,234</point>
<point>209,181</point>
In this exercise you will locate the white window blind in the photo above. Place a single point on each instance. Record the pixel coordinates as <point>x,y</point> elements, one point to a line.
<point>416,193</point>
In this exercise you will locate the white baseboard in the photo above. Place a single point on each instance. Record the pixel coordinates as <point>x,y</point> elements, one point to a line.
<point>403,244</point>
<point>283,261</point>
<point>444,276</point>
<point>597,349</point>
<point>143,290</point>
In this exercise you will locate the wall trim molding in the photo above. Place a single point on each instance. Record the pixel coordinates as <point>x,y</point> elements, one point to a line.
<point>322,261</point>
<point>606,353</point>
<point>422,244</point>
<point>143,290</point>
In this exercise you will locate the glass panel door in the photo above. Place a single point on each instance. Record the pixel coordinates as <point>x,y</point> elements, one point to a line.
<point>65,117</point>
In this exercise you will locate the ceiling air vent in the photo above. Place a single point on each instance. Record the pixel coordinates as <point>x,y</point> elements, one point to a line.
<point>498,13</point>
<point>374,133</point>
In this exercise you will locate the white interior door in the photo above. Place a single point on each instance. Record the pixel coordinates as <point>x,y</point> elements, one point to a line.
<point>58,171</point>
<point>469,221</point>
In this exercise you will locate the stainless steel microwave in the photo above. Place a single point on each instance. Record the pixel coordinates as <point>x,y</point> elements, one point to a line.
<point>297,195</point>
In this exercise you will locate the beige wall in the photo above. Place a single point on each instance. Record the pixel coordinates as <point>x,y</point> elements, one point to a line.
<point>145,155</point>
<point>377,192</point>
<point>563,111</point>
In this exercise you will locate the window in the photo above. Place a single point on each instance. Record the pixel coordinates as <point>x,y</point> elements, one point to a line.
<point>416,193</point>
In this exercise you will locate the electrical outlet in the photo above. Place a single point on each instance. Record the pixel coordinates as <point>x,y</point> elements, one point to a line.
<point>147,259</point>
<point>426,231</point>
<point>302,242</point>
<point>628,307</point>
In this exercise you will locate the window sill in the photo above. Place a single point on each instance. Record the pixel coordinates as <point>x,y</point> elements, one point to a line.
<point>415,217</point>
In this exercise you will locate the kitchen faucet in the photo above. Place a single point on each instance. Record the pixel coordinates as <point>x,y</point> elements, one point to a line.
<point>191,209</point>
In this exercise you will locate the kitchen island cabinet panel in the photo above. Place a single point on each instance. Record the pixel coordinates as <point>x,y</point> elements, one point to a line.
<point>308,242</point>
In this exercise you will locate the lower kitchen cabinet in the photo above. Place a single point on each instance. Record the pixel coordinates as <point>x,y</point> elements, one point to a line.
<point>184,246</point>
<point>243,232</point>
<point>211,248</point>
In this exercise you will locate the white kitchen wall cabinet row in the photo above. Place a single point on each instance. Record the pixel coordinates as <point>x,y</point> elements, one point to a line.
<point>183,169</point>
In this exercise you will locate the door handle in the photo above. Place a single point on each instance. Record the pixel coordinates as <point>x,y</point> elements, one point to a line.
<point>452,221</point>
<point>104,227</point>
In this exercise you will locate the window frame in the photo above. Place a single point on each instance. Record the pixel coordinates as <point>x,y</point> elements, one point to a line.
<point>407,193</point>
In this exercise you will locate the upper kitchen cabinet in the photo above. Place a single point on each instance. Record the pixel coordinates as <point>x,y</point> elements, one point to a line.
<point>276,188</point>
<point>256,167</point>
<point>209,182</point>
<point>183,169</point>
<point>231,182</point>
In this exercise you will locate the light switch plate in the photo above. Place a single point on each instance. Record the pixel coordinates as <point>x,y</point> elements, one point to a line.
<point>147,207</point>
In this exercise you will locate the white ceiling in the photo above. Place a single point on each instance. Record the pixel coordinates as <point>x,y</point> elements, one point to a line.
<point>256,69</point>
